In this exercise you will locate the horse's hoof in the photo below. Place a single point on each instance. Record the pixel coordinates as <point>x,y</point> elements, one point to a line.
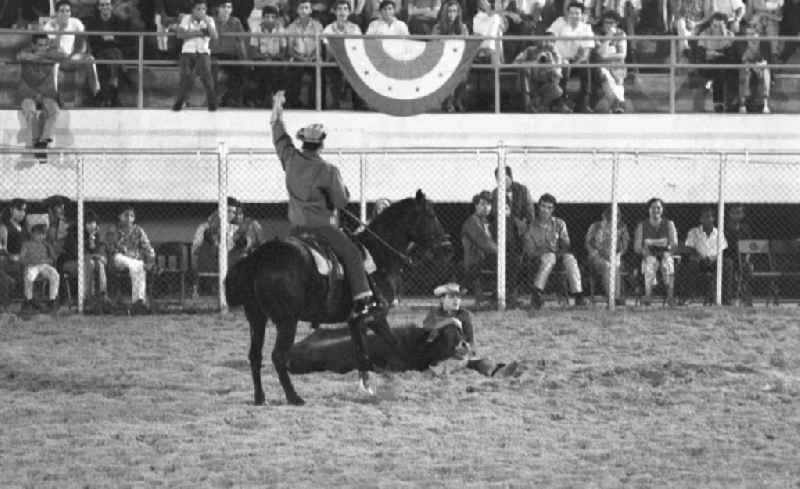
<point>296,401</point>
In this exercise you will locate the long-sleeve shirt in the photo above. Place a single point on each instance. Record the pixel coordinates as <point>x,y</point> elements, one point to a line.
<point>476,239</point>
<point>132,242</point>
<point>308,179</point>
<point>546,236</point>
<point>439,314</point>
<point>37,253</point>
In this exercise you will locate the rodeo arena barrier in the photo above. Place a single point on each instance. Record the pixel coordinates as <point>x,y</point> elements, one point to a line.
<point>173,192</point>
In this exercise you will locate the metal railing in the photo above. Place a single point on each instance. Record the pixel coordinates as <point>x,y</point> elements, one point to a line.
<point>672,64</point>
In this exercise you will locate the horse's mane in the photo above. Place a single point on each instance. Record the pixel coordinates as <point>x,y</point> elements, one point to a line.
<point>392,215</point>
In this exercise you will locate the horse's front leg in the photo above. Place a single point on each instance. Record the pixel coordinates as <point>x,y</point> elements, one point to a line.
<point>258,323</point>
<point>362,357</point>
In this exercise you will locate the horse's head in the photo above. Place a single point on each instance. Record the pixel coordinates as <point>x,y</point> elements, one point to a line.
<point>425,233</point>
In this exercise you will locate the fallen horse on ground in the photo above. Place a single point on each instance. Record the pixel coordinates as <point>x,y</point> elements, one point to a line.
<point>418,349</point>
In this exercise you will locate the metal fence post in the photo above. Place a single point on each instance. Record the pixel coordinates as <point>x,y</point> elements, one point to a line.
<point>362,186</point>
<point>140,73</point>
<point>500,204</point>
<point>673,58</point>
<point>222,210</point>
<point>318,74</point>
<point>496,76</point>
<point>80,171</point>
<point>611,286</point>
<point>721,225</point>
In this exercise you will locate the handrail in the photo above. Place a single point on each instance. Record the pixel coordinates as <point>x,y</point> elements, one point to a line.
<point>318,63</point>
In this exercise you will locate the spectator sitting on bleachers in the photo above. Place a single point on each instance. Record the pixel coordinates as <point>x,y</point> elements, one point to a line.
<point>73,46</point>
<point>38,258</point>
<point>733,10</point>
<point>736,228</point>
<point>229,48</point>
<point>37,90</point>
<point>205,244</point>
<point>11,238</point>
<point>422,15</point>
<point>130,250</point>
<point>303,48</point>
<point>574,52</point>
<point>754,82</point>
<point>703,260</point>
<point>541,84</point>
<point>598,247</point>
<point>547,242</point>
<point>168,14</point>
<point>690,18</point>
<point>95,260</point>
<point>610,48</point>
<point>109,46</point>
<point>790,27</point>
<point>270,48</point>
<point>489,22</point>
<point>653,240</point>
<point>627,14</point>
<point>480,249</point>
<point>387,24</point>
<point>765,17</point>
<point>725,82</point>
<point>450,24</point>
<point>196,30</point>
<point>338,86</point>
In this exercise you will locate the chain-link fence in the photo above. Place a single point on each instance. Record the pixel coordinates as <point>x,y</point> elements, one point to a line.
<point>177,198</point>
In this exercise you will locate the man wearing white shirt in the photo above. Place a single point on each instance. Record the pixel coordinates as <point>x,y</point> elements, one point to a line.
<point>574,51</point>
<point>387,24</point>
<point>196,30</point>
<point>705,249</point>
<point>72,46</point>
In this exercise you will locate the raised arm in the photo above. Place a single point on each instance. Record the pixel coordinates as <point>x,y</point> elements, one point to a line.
<point>280,139</point>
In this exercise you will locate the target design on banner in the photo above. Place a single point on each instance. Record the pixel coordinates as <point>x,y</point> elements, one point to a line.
<point>404,77</point>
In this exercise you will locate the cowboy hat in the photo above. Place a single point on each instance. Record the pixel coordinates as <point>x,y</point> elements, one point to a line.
<point>315,133</point>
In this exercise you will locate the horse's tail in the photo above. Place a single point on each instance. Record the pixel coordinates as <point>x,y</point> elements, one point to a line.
<point>239,282</point>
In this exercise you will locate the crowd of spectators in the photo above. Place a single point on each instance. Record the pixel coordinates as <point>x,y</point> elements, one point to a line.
<point>206,33</point>
<point>538,242</point>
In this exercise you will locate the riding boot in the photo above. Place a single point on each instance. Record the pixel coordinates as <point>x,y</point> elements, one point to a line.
<point>365,308</point>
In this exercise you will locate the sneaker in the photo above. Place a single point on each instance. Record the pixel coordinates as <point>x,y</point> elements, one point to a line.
<point>53,306</point>
<point>212,107</point>
<point>40,144</point>
<point>28,307</point>
<point>177,106</point>
<point>619,302</point>
<point>536,299</point>
<point>580,300</point>
<point>104,304</point>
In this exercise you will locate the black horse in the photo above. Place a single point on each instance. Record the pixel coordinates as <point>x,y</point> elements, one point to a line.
<point>279,281</point>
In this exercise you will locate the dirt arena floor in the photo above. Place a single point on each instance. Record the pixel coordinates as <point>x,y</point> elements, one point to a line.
<point>673,398</point>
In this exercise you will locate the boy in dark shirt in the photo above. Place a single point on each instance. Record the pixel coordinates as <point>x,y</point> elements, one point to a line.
<point>38,258</point>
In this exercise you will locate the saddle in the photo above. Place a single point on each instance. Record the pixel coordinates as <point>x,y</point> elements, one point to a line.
<point>328,265</point>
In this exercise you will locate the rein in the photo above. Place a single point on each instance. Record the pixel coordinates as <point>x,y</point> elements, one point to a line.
<point>406,259</point>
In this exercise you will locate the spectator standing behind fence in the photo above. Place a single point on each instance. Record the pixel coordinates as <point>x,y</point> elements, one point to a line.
<point>339,88</point>
<point>519,215</point>
<point>168,14</point>
<point>654,239</point>
<point>598,248</point>
<point>229,48</point>
<point>110,47</point>
<point>737,228</point>
<point>575,52</point>
<point>754,82</point>
<point>37,90</point>
<point>73,46</point>
<point>205,244</point>
<point>302,48</point>
<point>270,48</point>
<point>196,31</point>
<point>247,237</point>
<point>611,49</point>
<point>38,258</point>
<point>95,261</point>
<point>450,24</point>
<point>702,265</point>
<point>546,243</point>
<point>725,82</point>
<point>480,249</point>
<point>766,16</point>
<point>58,226</point>
<point>130,250</point>
<point>11,238</point>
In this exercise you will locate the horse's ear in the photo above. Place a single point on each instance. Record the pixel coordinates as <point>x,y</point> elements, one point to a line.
<point>420,197</point>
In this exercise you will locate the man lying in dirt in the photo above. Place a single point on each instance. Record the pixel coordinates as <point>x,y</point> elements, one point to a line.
<point>418,349</point>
